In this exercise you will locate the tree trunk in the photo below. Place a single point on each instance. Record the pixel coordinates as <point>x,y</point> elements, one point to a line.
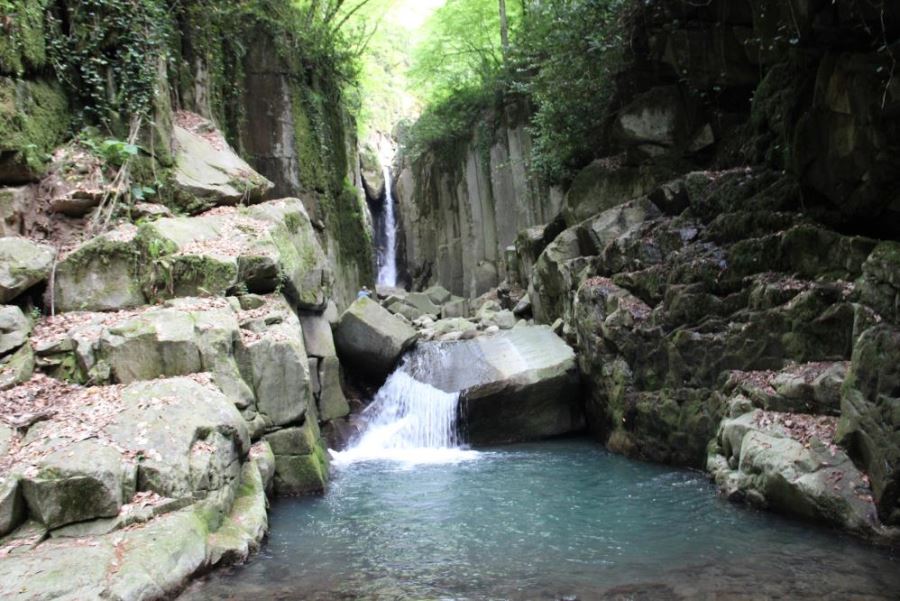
<point>504,29</point>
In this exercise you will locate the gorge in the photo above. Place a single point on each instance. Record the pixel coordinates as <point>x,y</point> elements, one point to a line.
<point>449,299</point>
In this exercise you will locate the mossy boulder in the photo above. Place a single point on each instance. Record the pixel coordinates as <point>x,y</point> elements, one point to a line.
<point>84,481</point>
<point>787,462</point>
<point>602,185</point>
<point>12,505</point>
<point>22,47</point>
<point>370,339</point>
<point>332,403</point>
<point>14,329</point>
<point>548,289</point>
<point>301,465</point>
<point>880,283</point>
<point>23,264</point>
<point>870,415</point>
<point>208,172</point>
<point>103,274</point>
<point>305,271</point>
<point>34,119</point>
<point>17,368</point>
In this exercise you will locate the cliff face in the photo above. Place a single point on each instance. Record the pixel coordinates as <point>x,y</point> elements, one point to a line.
<point>462,209</point>
<point>726,269</point>
<point>166,356</point>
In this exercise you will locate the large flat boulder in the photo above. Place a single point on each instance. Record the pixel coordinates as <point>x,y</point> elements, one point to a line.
<point>518,385</point>
<point>789,462</point>
<point>23,264</point>
<point>370,339</point>
<point>208,172</point>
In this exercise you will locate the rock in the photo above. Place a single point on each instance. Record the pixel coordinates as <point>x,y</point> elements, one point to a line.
<point>34,119</point>
<point>301,466</point>
<point>332,402</point>
<point>14,202</point>
<point>809,477</point>
<point>657,118</point>
<point>880,282</point>
<point>600,187</point>
<point>198,453</point>
<point>317,336</point>
<point>523,307</point>
<point>244,527</point>
<point>150,211</point>
<point>264,459</point>
<point>102,274</point>
<point>208,172</point>
<point>422,302</point>
<point>505,320</point>
<point>438,295</point>
<point>370,339</point>
<point>276,367</point>
<point>14,329</point>
<point>309,279</point>
<point>548,288</point>
<point>408,312</point>
<point>12,506</point>
<point>517,385</point>
<point>455,307</point>
<point>457,324</point>
<point>23,264</point>
<point>486,277</point>
<point>869,427</point>
<point>17,368</point>
<point>84,481</point>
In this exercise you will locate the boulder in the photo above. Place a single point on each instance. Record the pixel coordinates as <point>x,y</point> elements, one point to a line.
<point>548,288</point>
<point>422,302</point>
<point>601,186</point>
<point>788,462</point>
<point>371,340</point>
<point>190,435</point>
<point>880,282</point>
<point>12,506</point>
<point>317,336</point>
<point>14,202</point>
<point>83,481</point>
<point>332,403</point>
<point>455,307</point>
<point>23,264</point>
<point>14,329</point>
<point>275,365</point>
<point>103,274</point>
<point>656,120</point>
<point>208,172</point>
<point>17,368</point>
<point>517,385</point>
<point>438,295</point>
<point>870,419</point>
<point>301,466</point>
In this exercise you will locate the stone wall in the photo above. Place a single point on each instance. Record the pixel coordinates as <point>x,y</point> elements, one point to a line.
<point>460,213</point>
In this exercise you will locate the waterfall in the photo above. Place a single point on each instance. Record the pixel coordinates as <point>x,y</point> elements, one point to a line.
<point>409,421</point>
<point>387,272</point>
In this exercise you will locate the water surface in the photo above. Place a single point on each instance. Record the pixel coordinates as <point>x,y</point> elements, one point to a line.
<point>555,520</point>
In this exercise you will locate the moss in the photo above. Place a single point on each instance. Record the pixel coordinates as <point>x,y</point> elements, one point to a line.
<point>34,119</point>
<point>22,45</point>
<point>346,222</point>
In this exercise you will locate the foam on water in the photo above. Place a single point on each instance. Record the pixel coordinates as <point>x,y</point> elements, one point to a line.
<point>408,422</point>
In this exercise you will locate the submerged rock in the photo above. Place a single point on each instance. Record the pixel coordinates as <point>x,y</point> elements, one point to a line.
<point>370,339</point>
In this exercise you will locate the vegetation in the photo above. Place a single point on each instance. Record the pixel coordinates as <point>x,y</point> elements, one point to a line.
<point>464,68</point>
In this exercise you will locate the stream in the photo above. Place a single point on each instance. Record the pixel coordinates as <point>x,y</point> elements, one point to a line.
<point>412,514</point>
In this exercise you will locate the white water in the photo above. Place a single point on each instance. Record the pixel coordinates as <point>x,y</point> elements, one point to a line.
<point>408,422</point>
<point>387,272</point>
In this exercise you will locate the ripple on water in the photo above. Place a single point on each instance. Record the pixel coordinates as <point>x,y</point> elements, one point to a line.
<point>563,518</point>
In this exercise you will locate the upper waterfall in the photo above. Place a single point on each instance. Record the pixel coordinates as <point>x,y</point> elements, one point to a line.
<point>387,268</point>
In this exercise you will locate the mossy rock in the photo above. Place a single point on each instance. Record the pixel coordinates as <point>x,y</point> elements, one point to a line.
<point>34,119</point>
<point>103,274</point>
<point>22,46</point>
<point>23,264</point>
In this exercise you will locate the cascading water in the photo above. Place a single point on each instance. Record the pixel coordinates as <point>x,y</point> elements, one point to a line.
<point>387,271</point>
<point>409,421</point>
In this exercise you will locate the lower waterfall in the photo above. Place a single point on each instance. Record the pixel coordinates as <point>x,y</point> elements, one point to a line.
<point>409,421</point>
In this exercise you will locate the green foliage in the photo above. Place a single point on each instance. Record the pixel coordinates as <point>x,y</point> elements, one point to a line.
<point>107,53</point>
<point>460,50</point>
<point>569,52</point>
<point>111,151</point>
<point>446,126</point>
<point>22,35</point>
